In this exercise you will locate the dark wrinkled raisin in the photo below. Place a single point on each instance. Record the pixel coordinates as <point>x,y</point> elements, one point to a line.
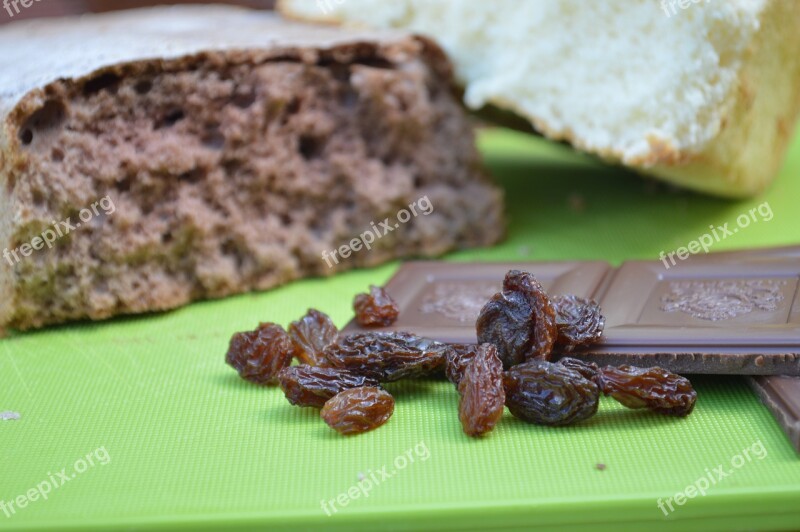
<point>376,309</point>
<point>578,320</point>
<point>505,321</point>
<point>549,394</point>
<point>358,410</point>
<point>456,359</point>
<point>654,388</point>
<point>481,389</point>
<point>589,370</point>
<point>544,325</point>
<point>386,356</point>
<point>259,355</point>
<point>520,320</point>
<point>313,386</point>
<point>312,334</point>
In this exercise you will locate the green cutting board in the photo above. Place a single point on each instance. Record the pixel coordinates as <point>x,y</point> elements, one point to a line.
<point>178,441</point>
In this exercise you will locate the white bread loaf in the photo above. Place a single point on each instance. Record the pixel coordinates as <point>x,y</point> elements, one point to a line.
<point>701,93</point>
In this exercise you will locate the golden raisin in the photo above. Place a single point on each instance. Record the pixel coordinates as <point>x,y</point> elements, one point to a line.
<point>376,309</point>
<point>311,334</point>
<point>358,410</point>
<point>654,388</point>
<point>259,355</point>
<point>481,389</point>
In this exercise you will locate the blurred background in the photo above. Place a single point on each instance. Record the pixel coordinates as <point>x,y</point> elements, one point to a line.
<point>57,8</point>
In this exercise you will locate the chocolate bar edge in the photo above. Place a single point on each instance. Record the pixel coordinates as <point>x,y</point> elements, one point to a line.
<point>775,403</point>
<point>700,363</point>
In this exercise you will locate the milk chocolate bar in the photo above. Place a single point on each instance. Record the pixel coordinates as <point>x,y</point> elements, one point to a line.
<point>730,313</point>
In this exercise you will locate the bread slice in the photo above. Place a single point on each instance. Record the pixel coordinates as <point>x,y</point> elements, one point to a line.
<point>702,94</point>
<point>156,157</point>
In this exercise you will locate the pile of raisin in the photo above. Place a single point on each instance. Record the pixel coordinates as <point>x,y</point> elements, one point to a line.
<point>341,375</point>
<point>519,330</point>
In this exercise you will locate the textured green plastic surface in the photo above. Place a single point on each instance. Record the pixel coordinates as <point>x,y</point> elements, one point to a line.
<point>190,446</point>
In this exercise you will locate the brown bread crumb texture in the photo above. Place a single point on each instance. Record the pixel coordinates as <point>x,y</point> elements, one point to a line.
<point>233,171</point>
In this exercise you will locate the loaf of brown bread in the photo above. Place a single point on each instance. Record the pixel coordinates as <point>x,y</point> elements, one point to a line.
<point>155,157</point>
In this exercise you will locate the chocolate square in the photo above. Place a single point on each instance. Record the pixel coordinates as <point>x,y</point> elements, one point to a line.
<point>725,303</point>
<point>726,313</point>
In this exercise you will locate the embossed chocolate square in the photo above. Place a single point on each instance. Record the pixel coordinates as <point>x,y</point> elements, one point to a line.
<point>709,303</point>
<point>729,314</point>
<point>441,300</point>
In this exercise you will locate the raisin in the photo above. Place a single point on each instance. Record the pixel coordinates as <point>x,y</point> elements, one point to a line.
<point>386,356</point>
<point>654,388</point>
<point>358,410</point>
<point>259,355</point>
<point>313,386</point>
<point>481,389</point>
<point>311,334</point>
<point>544,326</point>
<point>505,322</point>
<point>456,359</point>
<point>520,320</point>
<point>549,394</point>
<point>578,320</point>
<point>376,309</point>
<point>588,370</point>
